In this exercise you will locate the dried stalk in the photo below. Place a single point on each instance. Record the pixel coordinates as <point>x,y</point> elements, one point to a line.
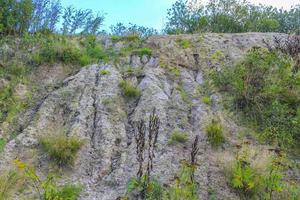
<point>194,152</point>
<point>139,135</point>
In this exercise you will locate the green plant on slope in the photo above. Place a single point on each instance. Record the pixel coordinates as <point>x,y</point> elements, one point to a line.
<point>10,181</point>
<point>152,189</point>
<point>104,72</point>
<point>184,187</point>
<point>184,43</point>
<point>263,88</point>
<point>143,51</point>
<point>258,175</point>
<point>207,100</point>
<point>178,137</point>
<point>128,89</point>
<point>52,191</point>
<point>60,148</point>
<point>47,189</point>
<point>215,133</point>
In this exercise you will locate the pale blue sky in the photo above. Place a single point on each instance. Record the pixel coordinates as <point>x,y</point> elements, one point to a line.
<point>149,13</point>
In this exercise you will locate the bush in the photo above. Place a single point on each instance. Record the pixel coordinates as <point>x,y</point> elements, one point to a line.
<point>153,190</point>
<point>256,174</point>
<point>178,137</point>
<point>58,52</point>
<point>10,181</point>
<point>60,148</point>
<point>264,89</point>
<point>54,192</point>
<point>129,90</point>
<point>47,189</point>
<point>215,133</point>
<point>184,187</point>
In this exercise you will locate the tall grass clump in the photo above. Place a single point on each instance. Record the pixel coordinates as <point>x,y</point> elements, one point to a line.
<point>215,133</point>
<point>178,137</point>
<point>265,90</point>
<point>60,148</point>
<point>10,181</point>
<point>129,90</point>
<point>184,187</point>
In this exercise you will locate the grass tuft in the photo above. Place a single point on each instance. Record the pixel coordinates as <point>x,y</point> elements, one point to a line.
<point>61,149</point>
<point>129,90</point>
<point>178,137</point>
<point>215,133</point>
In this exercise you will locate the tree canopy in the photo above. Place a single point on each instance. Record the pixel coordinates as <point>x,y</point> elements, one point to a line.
<point>230,16</point>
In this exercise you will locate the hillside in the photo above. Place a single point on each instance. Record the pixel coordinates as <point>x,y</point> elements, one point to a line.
<point>100,103</point>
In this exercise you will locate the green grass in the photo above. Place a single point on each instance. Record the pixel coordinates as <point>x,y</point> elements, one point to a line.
<point>215,133</point>
<point>104,72</point>
<point>184,95</point>
<point>143,51</point>
<point>178,137</point>
<point>64,192</point>
<point>129,90</point>
<point>128,38</point>
<point>184,43</point>
<point>175,71</point>
<point>60,148</point>
<point>207,100</point>
<point>85,60</point>
<point>10,181</point>
<point>2,145</point>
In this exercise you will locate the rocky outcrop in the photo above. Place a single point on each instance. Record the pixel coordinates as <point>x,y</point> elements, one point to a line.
<point>92,107</point>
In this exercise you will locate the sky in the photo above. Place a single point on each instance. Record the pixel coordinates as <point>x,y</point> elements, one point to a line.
<point>149,13</point>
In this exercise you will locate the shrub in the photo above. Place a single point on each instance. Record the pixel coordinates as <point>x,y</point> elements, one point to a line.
<point>53,192</point>
<point>185,187</point>
<point>264,89</point>
<point>215,133</point>
<point>178,137</point>
<point>10,181</point>
<point>60,148</point>
<point>153,190</point>
<point>129,90</point>
<point>207,100</point>
<point>58,52</point>
<point>244,178</point>
<point>104,72</point>
<point>47,189</point>
<point>256,174</point>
